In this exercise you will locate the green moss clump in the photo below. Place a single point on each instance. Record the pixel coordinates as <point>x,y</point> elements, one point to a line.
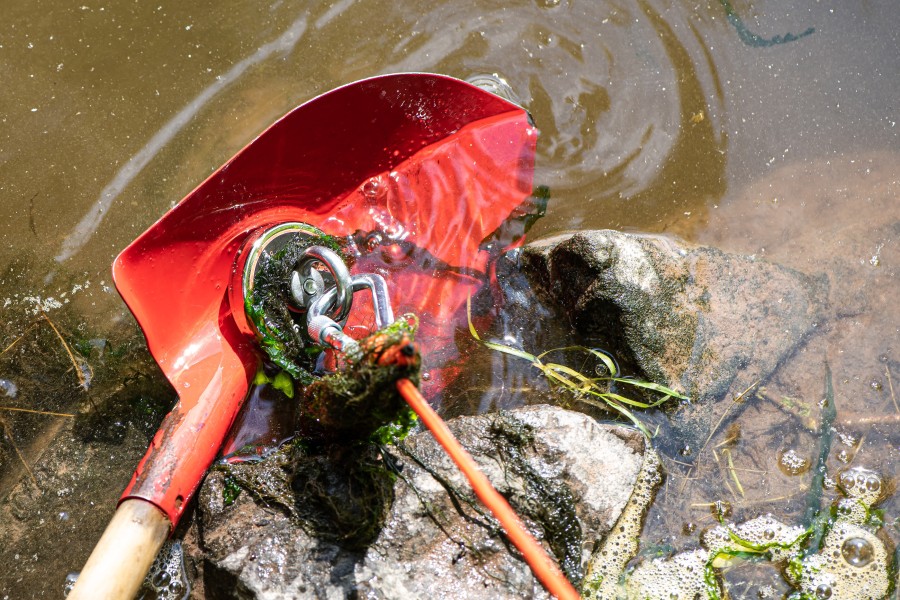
<point>361,400</point>
<point>267,306</point>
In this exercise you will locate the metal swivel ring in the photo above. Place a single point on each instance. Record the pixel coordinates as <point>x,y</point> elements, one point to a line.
<point>307,284</point>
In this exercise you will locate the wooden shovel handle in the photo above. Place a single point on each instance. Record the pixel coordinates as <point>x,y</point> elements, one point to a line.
<point>121,559</point>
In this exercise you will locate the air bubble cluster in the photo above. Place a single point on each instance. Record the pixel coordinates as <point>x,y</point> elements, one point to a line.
<point>862,484</point>
<point>167,579</point>
<point>853,562</point>
<point>852,565</point>
<point>680,577</point>
<point>791,463</point>
<point>764,533</point>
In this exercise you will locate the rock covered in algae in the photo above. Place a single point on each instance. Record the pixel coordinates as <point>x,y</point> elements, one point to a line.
<point>555,466</point>
<point>696,319</point>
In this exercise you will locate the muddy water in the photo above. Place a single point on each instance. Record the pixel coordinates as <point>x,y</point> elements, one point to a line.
<point>673,117</point>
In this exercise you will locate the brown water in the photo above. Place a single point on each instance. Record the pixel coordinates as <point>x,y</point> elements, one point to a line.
<point>654,116</point>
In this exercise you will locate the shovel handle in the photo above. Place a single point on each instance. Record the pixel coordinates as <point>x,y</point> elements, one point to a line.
<point>121,559</point>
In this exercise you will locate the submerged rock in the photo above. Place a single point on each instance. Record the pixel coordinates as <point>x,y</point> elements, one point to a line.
<point>696,319</point>
<point>568,476</point>
<point>837,216</point>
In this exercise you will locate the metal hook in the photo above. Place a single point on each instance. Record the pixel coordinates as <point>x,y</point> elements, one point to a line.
<point>381,301</point>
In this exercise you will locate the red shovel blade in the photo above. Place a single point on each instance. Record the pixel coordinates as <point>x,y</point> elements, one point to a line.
<point>426,161</point>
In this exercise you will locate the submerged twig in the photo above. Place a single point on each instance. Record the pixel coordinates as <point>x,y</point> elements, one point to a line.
<point>887,372</point>
<point>18,339</point>
<point>747,503</point>
<point>12,442</point>
<point>83,381</point>
<point>878,420</point>
<point>730,489</point>
<point>737,399</point>
<point>37,412</point>
<point>731,469</point>
<point>746,470</point>
<point>726,441</point>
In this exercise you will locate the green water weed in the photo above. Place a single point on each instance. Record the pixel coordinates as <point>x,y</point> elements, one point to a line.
<point>593,391</point>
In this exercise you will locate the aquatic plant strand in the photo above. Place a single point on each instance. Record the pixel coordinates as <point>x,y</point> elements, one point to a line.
<point>587,389</point>
<point>757,41</point>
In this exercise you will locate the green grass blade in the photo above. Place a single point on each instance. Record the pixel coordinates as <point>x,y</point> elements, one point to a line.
<point>612,397</point>
<point>621,410</point>
<point>606,359</point>
<point>469,317</point>
<point>649,385</point>
<point>512,352</point>
<point>559,377</point>
<point>581,377</point>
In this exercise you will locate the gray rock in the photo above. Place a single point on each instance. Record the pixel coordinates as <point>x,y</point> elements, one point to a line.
<point>693,318</point>
<point>437,541</point>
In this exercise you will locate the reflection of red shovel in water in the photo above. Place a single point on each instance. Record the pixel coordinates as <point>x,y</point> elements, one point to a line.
<point>425,166</point>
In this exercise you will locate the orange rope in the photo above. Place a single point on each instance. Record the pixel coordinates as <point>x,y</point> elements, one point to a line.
<point>541,564</point>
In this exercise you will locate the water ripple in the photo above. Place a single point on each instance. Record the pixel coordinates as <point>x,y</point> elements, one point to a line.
<point>89,223</point>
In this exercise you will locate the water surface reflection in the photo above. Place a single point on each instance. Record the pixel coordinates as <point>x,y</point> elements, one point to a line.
<point>655,115</point>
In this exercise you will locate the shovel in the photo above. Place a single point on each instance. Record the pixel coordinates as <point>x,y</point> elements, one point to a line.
<point>419,168</point>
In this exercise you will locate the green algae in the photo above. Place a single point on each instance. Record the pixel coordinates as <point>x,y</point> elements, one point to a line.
<point>267,306</point>
<point>361,400</point>
<point>550,505</point>
<point>231,489</point>
<point>755,40</point>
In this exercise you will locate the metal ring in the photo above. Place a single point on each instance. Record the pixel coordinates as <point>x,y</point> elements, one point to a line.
<point>260,246</point>
<point>342,281</point>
